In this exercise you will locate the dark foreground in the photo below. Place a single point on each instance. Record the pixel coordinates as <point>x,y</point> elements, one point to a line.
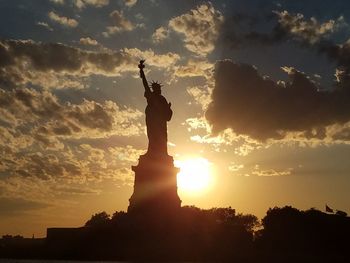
<point>284,235</point>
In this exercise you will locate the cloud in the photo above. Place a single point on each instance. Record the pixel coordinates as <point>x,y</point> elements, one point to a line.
<point>88,41</point>
<point>12,139</point>
<point>195,68</point>
<point>67,189</point>
<point>59,2</point>
<point>43,166</point>
<point>233,167</point>
<point>202,133</point>
<point>120,21</point>
<point>197,123</point>
<point>65,21</point>
<point>201,95</point>
<point>95,3</point>
<point>271,172</point>
<point>11,206</point>
<point>340,54</point>
<point>49,177</point>
<point>54,65</point>
<point>246,148</point>
<point>307,30</point>
<point>164,60</point>
<point>309,33</point>
<point>160,34</point>
<point>45,25</point>
<point>83,3</point>
<point>200,28</point>
<point>73,164</point>
<point>120,24</point>
<point>242,30</point>
<point>126,154</point>
<point>256,106</point>
<point>216,142</point>
<point>130,3</point>
<point>94,155</point>
<point>37,129</point>
<point>37,119</point>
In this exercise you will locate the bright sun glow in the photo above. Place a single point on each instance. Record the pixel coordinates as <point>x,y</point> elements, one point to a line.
<point>194,175</point>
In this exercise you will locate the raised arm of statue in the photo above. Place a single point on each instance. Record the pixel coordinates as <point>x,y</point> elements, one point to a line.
<point>143,77</point>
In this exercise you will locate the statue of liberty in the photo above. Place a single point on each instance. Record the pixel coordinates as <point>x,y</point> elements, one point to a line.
<point>158,112</point>
<point>155,185</point>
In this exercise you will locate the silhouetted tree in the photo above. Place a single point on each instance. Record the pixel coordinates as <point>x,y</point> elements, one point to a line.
<point>99,219</point>
<point>292,235</point>
<point>341,213</point>
<point>118,215</point>
<point>193,234</point>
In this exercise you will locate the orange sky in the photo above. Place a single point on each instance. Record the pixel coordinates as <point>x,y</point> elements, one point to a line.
<point>257,96</point>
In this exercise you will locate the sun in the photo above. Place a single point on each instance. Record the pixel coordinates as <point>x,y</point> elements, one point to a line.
<point>194,175</point>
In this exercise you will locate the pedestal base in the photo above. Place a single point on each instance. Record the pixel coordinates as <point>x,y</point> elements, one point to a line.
<point>155,186</point>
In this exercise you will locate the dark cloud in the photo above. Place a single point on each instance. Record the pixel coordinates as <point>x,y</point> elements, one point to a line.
<point>314,35</point>
<point>23,60</point>
<point>55,65</point>
<point>272,111</point>
<point>240,29</point>
<point>340,54</point>
<point>254,105</point>
<point>49,64</point>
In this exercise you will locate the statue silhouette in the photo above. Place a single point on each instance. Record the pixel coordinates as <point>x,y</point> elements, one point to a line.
<point>158,112</point>
<point>155,185</point>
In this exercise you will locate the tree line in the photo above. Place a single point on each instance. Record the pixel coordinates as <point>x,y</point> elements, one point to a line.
<point>219,234</point>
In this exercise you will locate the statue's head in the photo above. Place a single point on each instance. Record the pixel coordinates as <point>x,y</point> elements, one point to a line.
<point>156,87</point>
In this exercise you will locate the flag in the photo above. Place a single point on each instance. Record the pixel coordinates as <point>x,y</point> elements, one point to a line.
<point>329,210</point>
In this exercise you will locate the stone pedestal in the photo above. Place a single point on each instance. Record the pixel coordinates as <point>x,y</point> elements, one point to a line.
<point>155,186</point>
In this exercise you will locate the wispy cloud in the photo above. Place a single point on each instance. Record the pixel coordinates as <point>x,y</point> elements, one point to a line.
<point>64,21</point>
<point>59,2</point>
<point>45,25</point>
<point>95,3</point>
<point>308,30</point>
<point>130,3</point>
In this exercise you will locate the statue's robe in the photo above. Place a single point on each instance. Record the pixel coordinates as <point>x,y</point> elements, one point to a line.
<point>158,112</point>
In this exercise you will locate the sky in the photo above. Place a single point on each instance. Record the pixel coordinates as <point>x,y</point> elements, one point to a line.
<point>260,91</point>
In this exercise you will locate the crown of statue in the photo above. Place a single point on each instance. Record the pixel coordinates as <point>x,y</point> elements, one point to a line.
<point>155,84</point>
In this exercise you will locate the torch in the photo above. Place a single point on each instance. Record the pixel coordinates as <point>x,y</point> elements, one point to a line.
<point>141,65</point>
